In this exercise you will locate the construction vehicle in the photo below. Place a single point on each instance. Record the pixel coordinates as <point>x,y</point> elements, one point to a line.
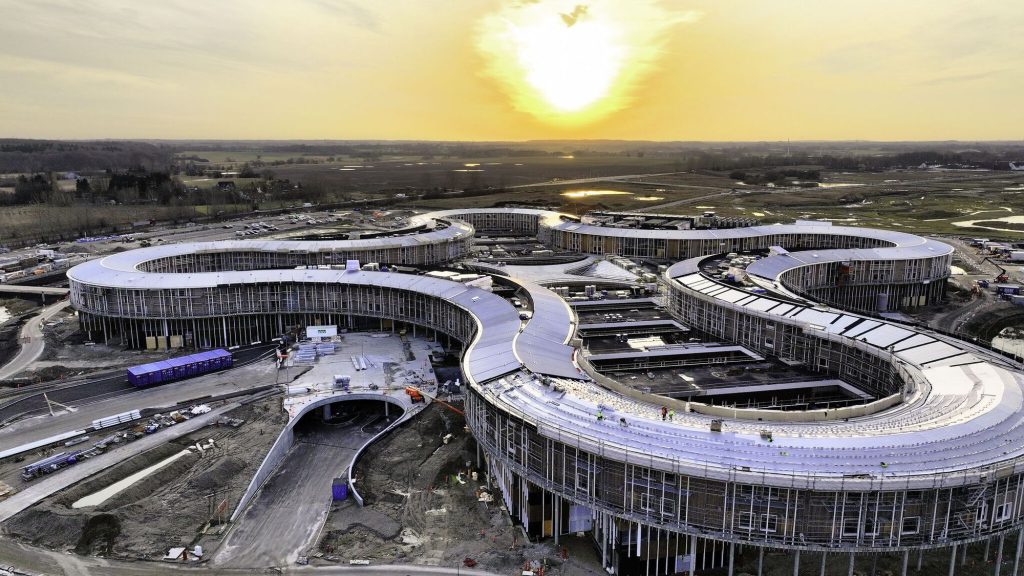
<point>411,390</point>
<point>414,394</point>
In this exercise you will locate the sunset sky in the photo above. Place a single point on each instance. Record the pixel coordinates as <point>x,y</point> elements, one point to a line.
<point>512,70</point>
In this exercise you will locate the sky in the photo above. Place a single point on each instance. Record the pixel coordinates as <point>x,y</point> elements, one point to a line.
<point>746,70</point>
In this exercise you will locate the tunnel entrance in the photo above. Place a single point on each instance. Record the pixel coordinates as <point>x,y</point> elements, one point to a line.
<point>352,417</point>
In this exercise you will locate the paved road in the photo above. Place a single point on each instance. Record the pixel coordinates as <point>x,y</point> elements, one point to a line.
<point>39,489</point>
<point>285,517</point>
<point>40,427</point>
<point>594,180</point>
<point>26,289</point>
<point>658,207</point>
<point>32,341</point>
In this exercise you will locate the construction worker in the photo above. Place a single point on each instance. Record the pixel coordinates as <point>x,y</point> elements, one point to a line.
<point>600,414</point>
<point>671,414</point>
<point>664,413</point>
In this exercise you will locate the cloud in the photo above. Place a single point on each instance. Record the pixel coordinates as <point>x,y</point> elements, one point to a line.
<point>347,9</point>
<point>958,78</point>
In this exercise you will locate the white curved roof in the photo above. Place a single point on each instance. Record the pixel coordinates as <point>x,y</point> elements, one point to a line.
<point>966,414</point>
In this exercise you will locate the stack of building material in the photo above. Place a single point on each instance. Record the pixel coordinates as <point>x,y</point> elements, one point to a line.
<point>306,354</point>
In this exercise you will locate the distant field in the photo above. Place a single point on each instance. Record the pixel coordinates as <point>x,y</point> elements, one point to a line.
<point>242,156</point>
<point>926,202</point>
<point>207,182</point>
<point>408,174</point>
<point>912,200</point>
<point>37,221</point>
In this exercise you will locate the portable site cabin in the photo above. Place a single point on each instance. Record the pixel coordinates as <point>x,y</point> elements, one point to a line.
<point>180,367</point>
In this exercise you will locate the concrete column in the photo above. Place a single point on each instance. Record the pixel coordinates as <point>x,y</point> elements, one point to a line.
<point>952,560</point>
<point>732,556</point>
<point>693,555</point>
<point>988,543</point>
<point>1020,547</point>
<point>823,557</point>
<point>760,560</point>
<point>555,507</point>
<point>963,555</point>
<point>999,554</point>
<point>387,409</point>
<point>920,559</point>
<point>853,557</point>
<point>796,563</point>
<point>906,560</point>
<point>327,412</point>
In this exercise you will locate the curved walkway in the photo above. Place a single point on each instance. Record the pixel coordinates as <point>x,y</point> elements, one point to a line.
<point>32,341</point>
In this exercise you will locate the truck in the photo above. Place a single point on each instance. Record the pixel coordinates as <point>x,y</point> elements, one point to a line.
<point>49,465</point>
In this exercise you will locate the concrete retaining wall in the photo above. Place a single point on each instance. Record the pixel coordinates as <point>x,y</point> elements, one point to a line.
<point>286,439</point>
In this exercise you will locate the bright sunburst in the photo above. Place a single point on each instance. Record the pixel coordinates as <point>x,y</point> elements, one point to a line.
<point>570,63</point>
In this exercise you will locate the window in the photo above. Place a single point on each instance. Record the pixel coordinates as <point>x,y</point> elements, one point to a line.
<point>1003,512</point>
<point>871,527</point>
<point>911,525</point>
<point>981,517</point>
<point>645,502</point>
<point>769,522</point>
<point>769,343</point>
<point>823,362</point>
<point>668,507</point>
<point>582,479</point>
<point>851,527</point>
<point>746,521</point>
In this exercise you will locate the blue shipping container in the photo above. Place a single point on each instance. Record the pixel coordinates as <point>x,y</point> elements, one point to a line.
<point>180,367</point>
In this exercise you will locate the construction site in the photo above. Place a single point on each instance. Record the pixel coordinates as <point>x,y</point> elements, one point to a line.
<point>510,390</point>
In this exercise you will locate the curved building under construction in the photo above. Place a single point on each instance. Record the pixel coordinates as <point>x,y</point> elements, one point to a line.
<point>933,462</point>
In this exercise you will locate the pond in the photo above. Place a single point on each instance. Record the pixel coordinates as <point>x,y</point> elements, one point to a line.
<point>589,193</point>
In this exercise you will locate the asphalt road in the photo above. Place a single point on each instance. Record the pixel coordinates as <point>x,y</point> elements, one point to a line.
<point>285,517</point>
<point>31,493</point>
<point>91,391</point>
<point>89,409</point>
<point>32,341</point>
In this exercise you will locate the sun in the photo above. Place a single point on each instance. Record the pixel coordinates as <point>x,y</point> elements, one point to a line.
<point>570,67</point>
<point>569,63</point>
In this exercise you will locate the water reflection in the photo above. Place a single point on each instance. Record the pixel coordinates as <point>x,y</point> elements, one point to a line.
<point>589,193</point>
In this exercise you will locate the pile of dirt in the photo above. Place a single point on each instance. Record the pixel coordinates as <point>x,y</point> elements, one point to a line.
<point>214,478</point>
<point>9,345</point>
<point>417,508</point>
<point>98,535</point>
<point>47,527</point>
<point>167,508</point>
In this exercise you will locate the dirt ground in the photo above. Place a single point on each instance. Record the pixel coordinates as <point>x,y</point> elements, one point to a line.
<point>67,356</point>
<point>168,508</point>
<point>19,310</point>
<point>417,512</point>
